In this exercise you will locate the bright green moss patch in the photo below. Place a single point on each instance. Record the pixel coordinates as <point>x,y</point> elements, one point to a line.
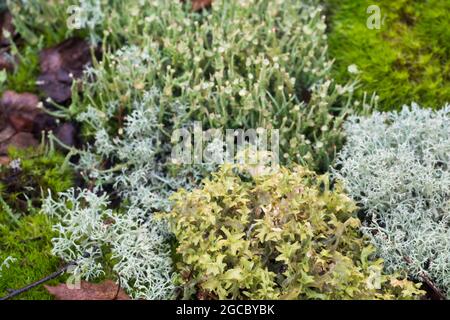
<point>29,243</point>
<point>30,175</point>
<point>406,60</point>
<point>25,235</point>
<point>23,77</point>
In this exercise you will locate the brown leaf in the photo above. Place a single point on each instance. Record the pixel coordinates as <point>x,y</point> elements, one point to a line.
<point>6,24</point>
<point>43,122</point>
<point>13,99</point>
<point>20,112</point>
<point>7,133</point>
<point>21,109</point>
<point>7,62</point>
<point>198,5</point>
<point>107,290</point>
<point>21,140</point>
<point>60,65</point>
<point>66,133</point>
<point>4,160</point>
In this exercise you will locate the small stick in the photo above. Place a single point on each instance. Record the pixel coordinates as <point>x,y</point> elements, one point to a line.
<point>425,278</point>
<point>119,285</point>
<point>432,286</point>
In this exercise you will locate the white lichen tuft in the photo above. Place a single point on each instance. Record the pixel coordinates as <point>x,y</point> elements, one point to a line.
<point>6,263</point>
<point>137,243</point>
<point>397,167</point>
<point>86,14</point>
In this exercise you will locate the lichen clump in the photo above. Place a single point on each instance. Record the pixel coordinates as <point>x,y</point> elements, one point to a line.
<point>397,167</point>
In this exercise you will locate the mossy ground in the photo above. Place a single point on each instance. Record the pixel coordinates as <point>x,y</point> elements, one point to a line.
<point>25,234</point>
<point>29,242</point>
<point>23,78</point>
<point>407,59</point>
<point>39,171</point>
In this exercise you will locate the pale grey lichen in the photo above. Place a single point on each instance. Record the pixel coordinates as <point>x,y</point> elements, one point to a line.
<point>397,167</point>
<point>91,231</point>
<point>6,263</point>
<point>129,177</point>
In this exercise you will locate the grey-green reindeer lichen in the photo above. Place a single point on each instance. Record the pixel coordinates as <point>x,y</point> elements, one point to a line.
<point>91,231</point>
<point>397,167</point>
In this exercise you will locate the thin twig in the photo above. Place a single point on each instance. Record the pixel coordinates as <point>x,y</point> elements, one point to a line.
<point>119,286</point>
<point>39,282</point>
<point>432,286</point>
<point>425,278</point>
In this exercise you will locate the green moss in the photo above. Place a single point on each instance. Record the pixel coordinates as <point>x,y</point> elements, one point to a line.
<point>406,60</point>
<point>28,238</point>
<point>29,242</point>
<point>23,78</point>
<point>39,172</point>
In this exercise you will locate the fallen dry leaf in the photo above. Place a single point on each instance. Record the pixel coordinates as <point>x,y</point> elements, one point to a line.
<point>20,109</point>
<point>107,290</point>
<point>66,133</point>
<point>4,160</point>
<point>198,5</point>
<point>43,122</point>
<point>20,113</point>
<point>7,133</point>
<point>6,24</point>
<point>11,99</point>
<point>7,62</point>
<point>21,140</point>
<point>60,65</point>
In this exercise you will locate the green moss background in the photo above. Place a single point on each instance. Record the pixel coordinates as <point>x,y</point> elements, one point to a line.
<point>21,189</point>
<point>25,234</point>
<point>406,60</point>
<point>23,78</point>
<point>29,242</point>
